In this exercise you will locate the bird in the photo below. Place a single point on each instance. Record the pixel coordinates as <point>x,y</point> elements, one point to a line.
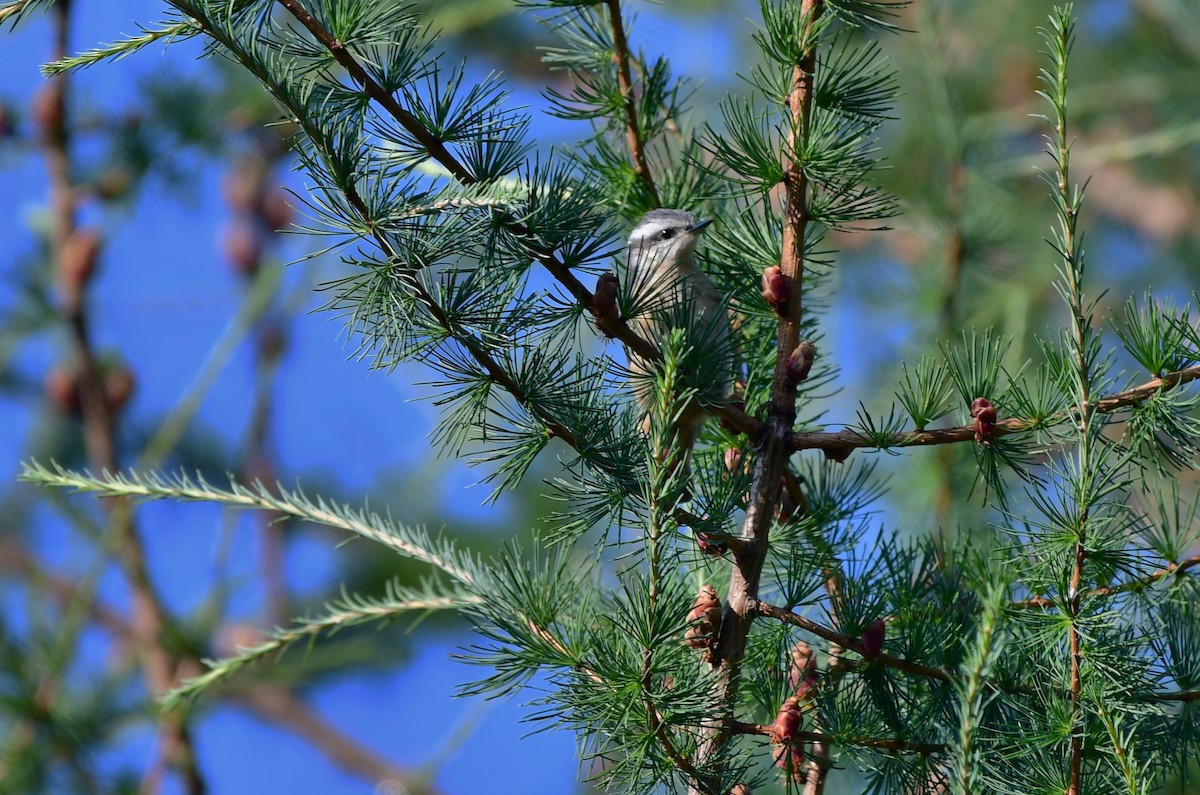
<point>668,290</point>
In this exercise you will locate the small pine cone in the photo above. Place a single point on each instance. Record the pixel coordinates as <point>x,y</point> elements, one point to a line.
<point>704,620</point>
<point>274,209</point>
<point>604,300</point>
<point>872,638</point>
<point>733,461</point>
<point>113,184</point>
<point>775,289</point>
<point>272,341</point>
<point>119,384</point>
<point>803,667</point>
<point>61,388</point>
<point>741,789</point>
<point>983,413</point>
<point>46,110</point>
<point>77,265</point>
<point>242,243</point>
<point>788,721</point>
<point>242,186</point>
<point>800,362</point>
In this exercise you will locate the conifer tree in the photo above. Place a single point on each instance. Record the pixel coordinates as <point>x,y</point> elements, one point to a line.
<point>750,625</point>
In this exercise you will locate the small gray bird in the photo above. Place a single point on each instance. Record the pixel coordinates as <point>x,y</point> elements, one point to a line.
<point>668,291</point>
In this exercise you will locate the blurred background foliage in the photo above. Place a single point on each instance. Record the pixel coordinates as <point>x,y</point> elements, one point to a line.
<point>179,176</point>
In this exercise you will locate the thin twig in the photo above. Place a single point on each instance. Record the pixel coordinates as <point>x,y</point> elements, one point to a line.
<point>771,463</point>
<point>839,444</point>
<point>885,744</point>
<point>851,642</point>
<point>920,669</point>
<point>1109,590</point>
<point>633,135</point>
<point>150,617</point>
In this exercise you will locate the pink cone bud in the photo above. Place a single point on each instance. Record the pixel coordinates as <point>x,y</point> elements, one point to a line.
<point>872,638</point>
<point>788,721</point>
<point>775,289</point>
<point>604,300</point>
<point>76,266</point>
<point>119,385</point>
<point>800,362</point>
<point>275,210</point>
<point>61,388</point>
<point>983,412</point>
<point>242,244</point>
<point>704,620</point>
<point>46,110</point>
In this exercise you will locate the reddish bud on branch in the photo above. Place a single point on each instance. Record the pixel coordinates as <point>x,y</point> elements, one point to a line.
<point>983,414</point>
<point>872,638</point>
<point>788,721</point>
<point>46,110</point>
<point>119,385</point>
<point>604,300</point>
<point>704,621</point>
<point>274,209</point>
<point>76,266</point>
<point>775,289</point>
<point>242,244</point>
<point>800,362</point>
<point>61,388</point>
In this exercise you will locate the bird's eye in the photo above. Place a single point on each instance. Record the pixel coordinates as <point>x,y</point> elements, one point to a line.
<point>667,234</point>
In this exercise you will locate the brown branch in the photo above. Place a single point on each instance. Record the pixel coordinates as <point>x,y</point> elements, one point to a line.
<point>818,764</point>
<point>839,444</point>
<point>771,463</point>
<point>150,618</point>
<point>852,643</point>
<point>1183,696</point>
<point>434,145</point>
<point>1109,590</point>
<point>885,744</point>
<point>637,147</point>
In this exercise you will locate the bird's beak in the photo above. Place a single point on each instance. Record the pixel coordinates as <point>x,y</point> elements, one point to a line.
<point>700,227</point>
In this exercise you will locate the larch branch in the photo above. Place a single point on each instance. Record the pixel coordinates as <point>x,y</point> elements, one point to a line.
<point>633,134</point>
